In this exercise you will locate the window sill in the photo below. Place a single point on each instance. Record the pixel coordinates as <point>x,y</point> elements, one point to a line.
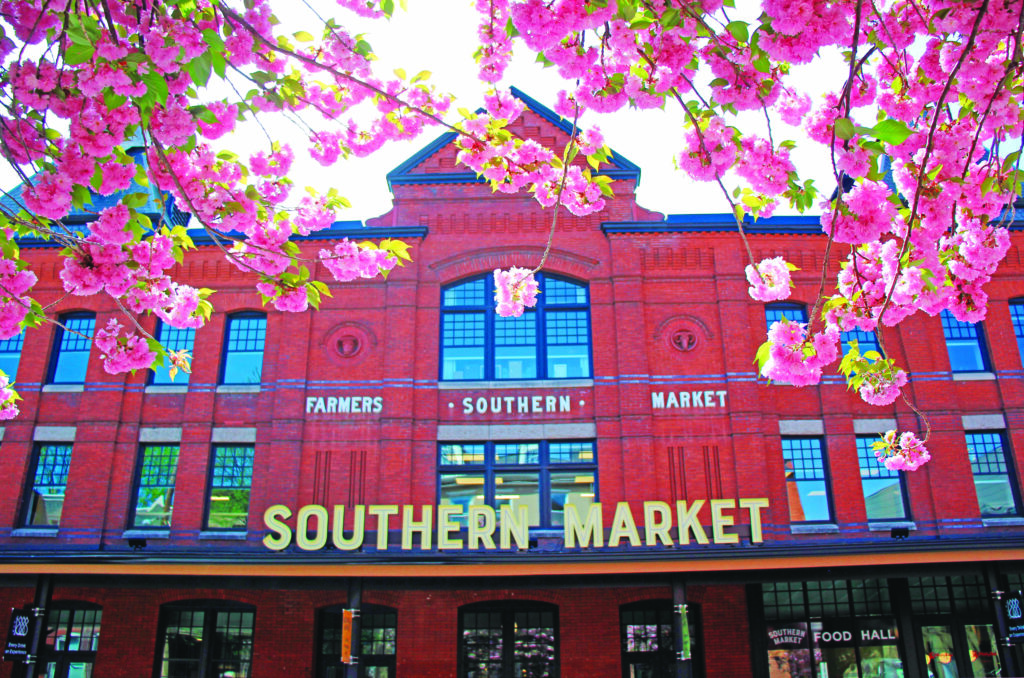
<point>156,533</point>
<point>974,376</point>
<point>63,388</point>
<point>236,535</point>
<point>238,388</point>
<point>165,388</point>
<point>886,525</point>
<point>513,383</point>
<point>816,528</point>
<point>34,532</point>
<point>1014,521</point>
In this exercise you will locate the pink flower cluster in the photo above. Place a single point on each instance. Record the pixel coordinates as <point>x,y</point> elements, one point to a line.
<point>122,353</point>
<point>769,280</point>
<point>796,359</point>
<point>514,291</point>
<point>350,261</point>
<point>903,453</point>
<point>8,400</point>
<point>15,284</point>
<point>710,154</point>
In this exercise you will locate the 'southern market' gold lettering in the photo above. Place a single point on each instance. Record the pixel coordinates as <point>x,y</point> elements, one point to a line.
<point>459,528</point>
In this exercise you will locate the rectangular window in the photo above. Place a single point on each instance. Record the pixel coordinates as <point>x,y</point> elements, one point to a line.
<point>806,480</point>
<point>10,355</point>
<point>544,477</point>
<point>205,642</point>
<point>243,349</point>
<point>884,493</point>
<point>71,349</point>
<point>965,345</point>
<point>154,499</point>
<point>173,339</point>
<point>993,480</point>
<point>230,483</point>
<point>45,501</point>
<point>1017,318</point>
<point>794,313</point>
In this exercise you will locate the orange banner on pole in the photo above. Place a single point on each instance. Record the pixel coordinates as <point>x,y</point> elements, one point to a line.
<point>346,636</point>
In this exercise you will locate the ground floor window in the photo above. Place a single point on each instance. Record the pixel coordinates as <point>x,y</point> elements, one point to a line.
<point>648,640</point>
<point>378,642</point>
<point>205,640</point>
<point>953,624</point>
<point>72,638</point>
<point>497,640</point>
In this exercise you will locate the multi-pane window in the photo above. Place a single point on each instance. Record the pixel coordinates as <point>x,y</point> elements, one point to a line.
<point>154,496</point>
<point>243,349</point>
<point>72,638</point>
<point>550,341</point>
<point>49,480</point>
<point>378,642</point>
<point>10,355</point>
<point>173,339</point>
<point>71,343</point>
<point>965,345</point>
<point>993,479</point>
<point>510,639</point>
<point>544,477</point>
<point>794,313</point>
<point>806,480</point>
<point>205,640</point>
<point>230,482</point>
<point>1017,317</point>
<point>647,634</point>
<point>884,492</point>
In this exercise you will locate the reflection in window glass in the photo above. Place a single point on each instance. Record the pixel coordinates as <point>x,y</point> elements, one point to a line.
<point>964,344</point>
<point>866,341</point>
<point>939,657</point>
<point>991,475</point>
<point>72,342</point>
<point>1017,318</point>
<point>983,650</point>
<point>10,355</point>
<point>154,502</point>
<point>884,496</point>
<point>45,501</point>
<point>243,349</point>
<point>541,477</point>
<point>72,639</point>
<point>205,642</point>
<point>230,484</point>
<point>514,641</point>
<point>806,486</point>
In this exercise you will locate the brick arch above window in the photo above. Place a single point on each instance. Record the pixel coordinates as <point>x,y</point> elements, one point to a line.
<point>466,264</point>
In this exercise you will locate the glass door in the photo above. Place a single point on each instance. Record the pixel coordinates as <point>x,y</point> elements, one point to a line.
<point>956,650</point>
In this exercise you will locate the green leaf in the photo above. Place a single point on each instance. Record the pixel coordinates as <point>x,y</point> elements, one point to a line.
<point>77,53</point>
<point>891,131</point>
<point>303,36</point>
<point>844,128</point>
<point>199,70</point>
<point>156,85</point>
<point>135,200</point>
<point>739,31</point>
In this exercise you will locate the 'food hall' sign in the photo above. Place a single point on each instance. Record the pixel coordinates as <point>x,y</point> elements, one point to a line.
<point>477,527</point>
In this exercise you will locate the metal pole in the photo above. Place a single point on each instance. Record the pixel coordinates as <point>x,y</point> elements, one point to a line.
<point>684,664</point>
<point>44,591</point>
<point>355,603</point>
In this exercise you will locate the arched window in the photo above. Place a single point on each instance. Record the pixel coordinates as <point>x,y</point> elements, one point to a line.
<point>551,341</point>
<point>377,650</point>
<point>508,639</point>
<point>648,639</point>
<point>244,338</point>
<point>71,343</point>
<point>72,638</point>
<point>173,339</point>
<point>205,639</point>
<point>797,313</point>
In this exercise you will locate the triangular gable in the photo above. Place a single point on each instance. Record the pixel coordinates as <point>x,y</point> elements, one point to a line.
<point>435,163</point>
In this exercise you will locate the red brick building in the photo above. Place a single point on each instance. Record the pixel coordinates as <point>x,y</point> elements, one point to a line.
<point>603,487</point>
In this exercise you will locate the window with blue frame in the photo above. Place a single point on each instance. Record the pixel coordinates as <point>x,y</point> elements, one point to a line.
<point>551,341</point>
<point>70,358</point>
<point>154,486</point>
<point>993,475</point>
<point>806,480</point>
<point>173,339</point>
<point>230,486</point>
<point>885,496</point>
<point>244,340</point>
<point>965,345</point>
<point>44,501</point>
<point>1017,317</point>
<point>10,355</point>
<point>794,313</point>
<point>542,476</point>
